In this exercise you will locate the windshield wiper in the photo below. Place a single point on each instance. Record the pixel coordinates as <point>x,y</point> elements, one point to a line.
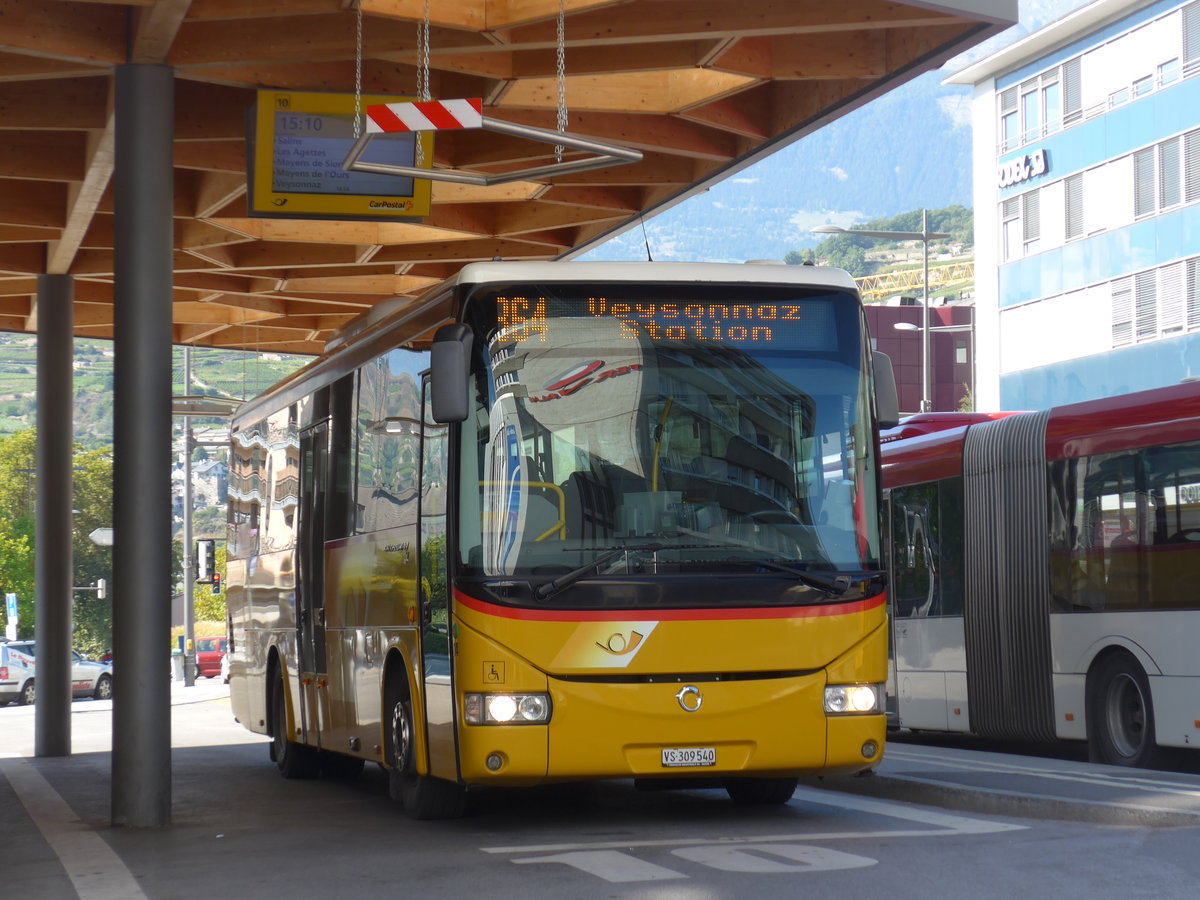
<point>834,587</point>
<point>547,590</point>
<point>837,586</point>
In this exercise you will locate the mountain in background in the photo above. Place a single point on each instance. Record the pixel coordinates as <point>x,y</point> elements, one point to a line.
<point>229,374</point>
<point>909,149</point>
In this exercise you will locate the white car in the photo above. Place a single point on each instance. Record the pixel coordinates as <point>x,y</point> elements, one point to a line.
<point>88,679</point>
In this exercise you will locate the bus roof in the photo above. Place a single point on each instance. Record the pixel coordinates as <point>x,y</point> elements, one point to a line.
<point>1163,415</point>
<point>929,446</point>
<point>366,334</point>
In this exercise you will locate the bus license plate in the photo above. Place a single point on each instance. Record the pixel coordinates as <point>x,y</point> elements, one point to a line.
<point>689,756</point>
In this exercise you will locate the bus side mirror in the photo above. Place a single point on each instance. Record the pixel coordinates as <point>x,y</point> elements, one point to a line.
<point>450,369</point>
<point>887,400</point>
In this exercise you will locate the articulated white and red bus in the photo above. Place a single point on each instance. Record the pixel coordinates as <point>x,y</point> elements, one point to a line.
<point>1045,574</point>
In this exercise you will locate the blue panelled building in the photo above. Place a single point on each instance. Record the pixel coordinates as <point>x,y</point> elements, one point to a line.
<point>1087,206</point>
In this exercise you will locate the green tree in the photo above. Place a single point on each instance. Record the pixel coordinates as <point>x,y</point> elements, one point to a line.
<point>18,459</point>
<point>16,577</point>
<point>18,494</point>
<point>93,504</point>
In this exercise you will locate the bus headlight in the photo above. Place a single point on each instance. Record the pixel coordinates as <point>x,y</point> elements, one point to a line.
<point>853,699</point>
<point>507,709</point>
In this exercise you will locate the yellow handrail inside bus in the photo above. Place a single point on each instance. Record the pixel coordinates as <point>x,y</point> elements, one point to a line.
<point>561,525</point>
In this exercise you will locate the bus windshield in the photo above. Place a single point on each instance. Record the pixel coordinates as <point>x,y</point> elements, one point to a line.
<point>666,430</point>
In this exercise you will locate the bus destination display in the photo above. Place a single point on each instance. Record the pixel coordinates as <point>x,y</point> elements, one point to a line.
<point>799,324</point>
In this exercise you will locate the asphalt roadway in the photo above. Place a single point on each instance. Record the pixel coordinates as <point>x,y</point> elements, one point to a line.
<point>236,824</point>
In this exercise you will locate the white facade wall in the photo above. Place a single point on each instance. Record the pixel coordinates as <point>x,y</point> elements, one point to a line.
<point>1068,326</point>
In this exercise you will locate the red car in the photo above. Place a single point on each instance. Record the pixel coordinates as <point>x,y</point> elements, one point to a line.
<point>209,653</point>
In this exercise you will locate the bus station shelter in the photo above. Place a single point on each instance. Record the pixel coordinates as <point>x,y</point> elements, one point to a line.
<point>166,179</point>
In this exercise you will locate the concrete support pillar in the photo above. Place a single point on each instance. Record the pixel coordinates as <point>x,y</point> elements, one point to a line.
<point>53,561</point>
<point>142,577</point>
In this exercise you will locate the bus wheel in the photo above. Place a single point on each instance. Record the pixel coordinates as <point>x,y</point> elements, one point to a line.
<point>760,791</point>
<point>422,796</point>
<point>1121,714</point>
<point>293,760</point>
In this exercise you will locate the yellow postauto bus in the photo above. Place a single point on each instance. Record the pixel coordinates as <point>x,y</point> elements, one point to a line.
<point>564,521</point>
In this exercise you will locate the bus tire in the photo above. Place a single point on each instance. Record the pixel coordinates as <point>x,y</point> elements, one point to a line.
<point>760,791</point>
<point>422,796</point>
<point>1121,714</point>
<point>293,760</point>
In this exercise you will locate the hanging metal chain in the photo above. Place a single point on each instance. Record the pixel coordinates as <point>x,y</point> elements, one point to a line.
<point>423,92</point>
<point>423,53</point>
<point>358,55</point>
<point>562,76</point>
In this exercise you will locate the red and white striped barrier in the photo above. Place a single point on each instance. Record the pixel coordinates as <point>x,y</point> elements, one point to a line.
<point>425,115</point>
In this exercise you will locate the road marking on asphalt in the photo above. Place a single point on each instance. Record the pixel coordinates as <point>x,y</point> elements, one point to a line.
<point>95,870</point>
<point>610,865</point>
<point>614,861</point>
<point>943,823</point>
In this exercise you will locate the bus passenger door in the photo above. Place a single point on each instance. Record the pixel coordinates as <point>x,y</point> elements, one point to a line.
<point>926,593</point>
<point>310,607</point>
<point>435,596</point>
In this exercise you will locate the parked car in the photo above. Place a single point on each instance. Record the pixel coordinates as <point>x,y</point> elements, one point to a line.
<point>17,671</point>
<point>209,653</point>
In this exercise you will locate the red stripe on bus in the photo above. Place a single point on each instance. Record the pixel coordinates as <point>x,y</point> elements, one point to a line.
<point>667,615</point>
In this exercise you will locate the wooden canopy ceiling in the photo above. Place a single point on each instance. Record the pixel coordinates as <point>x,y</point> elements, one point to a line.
<point>701,87</point>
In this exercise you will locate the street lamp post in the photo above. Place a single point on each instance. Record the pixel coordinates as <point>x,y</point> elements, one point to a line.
<point>924,236</point>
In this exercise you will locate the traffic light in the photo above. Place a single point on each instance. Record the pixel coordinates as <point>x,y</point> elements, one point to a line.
<point>216,583</point>
<point>204,560</point>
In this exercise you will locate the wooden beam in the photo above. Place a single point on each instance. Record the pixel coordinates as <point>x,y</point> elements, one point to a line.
<point>155,30</point>
<point>702,19</point>
<point>222,156</point>
<point>85,197</point>
<point>43,156</point>
<point>74,104</point>
<point>43,30</point>
<point>32,203</point>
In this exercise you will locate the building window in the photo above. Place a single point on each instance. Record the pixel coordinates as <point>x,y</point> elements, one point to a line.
<point>1143,86</point>
<point>1191,36</point>
<point>1031,220</point>
<point>1156,303</point>
<point>1166,174</point>
<point>1168,72</point>
<point>1073,192</point>
<point>1008,120</point>
<point>1072,92</point>
<point>1170,298</point>
<point>1010,225</point>
<point>1145,305</point>
<point>1191,166</point>
<point>1031,112</point>
<point>1122,311</point>
<point>1169,187</point>
<point>1041,105</point>
<point>1192,295</point>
